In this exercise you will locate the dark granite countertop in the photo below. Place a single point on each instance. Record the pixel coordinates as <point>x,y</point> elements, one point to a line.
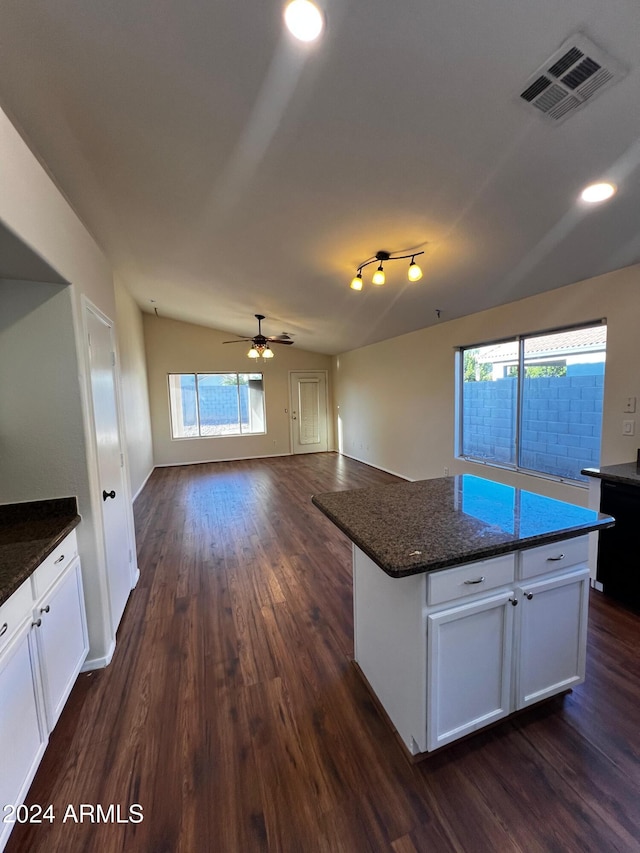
<point>28,534</point>
<point>625,472</point>
<point>410,528</point>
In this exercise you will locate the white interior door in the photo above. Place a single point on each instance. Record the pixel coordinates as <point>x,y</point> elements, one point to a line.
<point>309,412</point>
<point>110,463</point>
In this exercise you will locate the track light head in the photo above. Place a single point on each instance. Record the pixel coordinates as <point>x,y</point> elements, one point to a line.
<point>378,276</point>
<point>415,273</point>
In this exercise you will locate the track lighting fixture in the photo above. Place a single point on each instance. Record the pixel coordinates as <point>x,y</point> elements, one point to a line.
<point>378,278</point>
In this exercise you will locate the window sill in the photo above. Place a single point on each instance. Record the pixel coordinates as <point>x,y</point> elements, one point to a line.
<point>567,481</point>
<point>228,435</point>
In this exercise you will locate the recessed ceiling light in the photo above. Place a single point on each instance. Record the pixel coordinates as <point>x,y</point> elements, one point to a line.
<point>597,192</point>
<point>304,20</point>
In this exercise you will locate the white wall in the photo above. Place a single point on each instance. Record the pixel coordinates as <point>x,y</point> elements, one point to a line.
<point>42,440</point>
<point>135,394</point>
<point>36,212</point>
<point>412,434</point>
<point>176,347</point>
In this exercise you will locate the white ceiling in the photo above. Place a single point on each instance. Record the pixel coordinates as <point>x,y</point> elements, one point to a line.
<point>226,170</point>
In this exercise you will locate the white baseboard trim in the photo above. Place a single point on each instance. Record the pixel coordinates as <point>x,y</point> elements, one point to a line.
<point>101,662</point>
<point>143,485</point>
<point>378,467</point>
<point>230,459</point>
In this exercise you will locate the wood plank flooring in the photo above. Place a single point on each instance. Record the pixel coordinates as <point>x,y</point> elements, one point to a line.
<point>232,714</point>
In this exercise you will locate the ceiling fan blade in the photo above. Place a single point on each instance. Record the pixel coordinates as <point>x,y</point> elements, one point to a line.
<point>261,340</point>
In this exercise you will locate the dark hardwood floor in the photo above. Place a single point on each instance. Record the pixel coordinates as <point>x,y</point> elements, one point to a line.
<point>232,714</point>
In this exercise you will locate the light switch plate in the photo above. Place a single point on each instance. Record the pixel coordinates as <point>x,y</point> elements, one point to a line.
<point>629,405</point>
<point>628,427</point>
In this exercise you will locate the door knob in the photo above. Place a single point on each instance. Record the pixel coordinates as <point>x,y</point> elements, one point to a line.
<point>106,494</point>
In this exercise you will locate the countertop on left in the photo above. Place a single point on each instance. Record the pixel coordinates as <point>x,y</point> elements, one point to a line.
<point>29,532</point>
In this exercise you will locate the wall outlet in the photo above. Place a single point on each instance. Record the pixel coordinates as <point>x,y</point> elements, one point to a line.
<point>629,405</point>
<point>628,427</point>
<point>446,471</point>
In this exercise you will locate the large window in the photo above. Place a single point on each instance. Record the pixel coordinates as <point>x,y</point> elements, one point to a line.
<point>534,403</point>
<point>216,404</point>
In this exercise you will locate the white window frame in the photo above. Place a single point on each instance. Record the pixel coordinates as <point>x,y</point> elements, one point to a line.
<point>520,340</point>
<point>172,402</point>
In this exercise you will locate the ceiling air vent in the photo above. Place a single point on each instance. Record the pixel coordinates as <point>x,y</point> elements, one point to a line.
<point>575,73</point>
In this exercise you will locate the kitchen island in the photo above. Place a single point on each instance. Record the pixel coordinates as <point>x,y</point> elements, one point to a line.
<point>439,569</point>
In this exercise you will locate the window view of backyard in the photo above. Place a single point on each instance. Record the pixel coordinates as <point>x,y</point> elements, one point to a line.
<point>216,404</point>
<point>535,403</point>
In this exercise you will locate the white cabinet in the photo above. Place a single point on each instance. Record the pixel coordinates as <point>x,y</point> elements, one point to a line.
<point>23,735</point>
<point>452,651</point>
<point>43,644</point>
<point>61,635</point>
<point>551,636</point>
<point>502,653</point>
<point>469,668</point>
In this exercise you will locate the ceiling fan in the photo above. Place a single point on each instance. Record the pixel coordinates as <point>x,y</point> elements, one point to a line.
<point>260,344</point>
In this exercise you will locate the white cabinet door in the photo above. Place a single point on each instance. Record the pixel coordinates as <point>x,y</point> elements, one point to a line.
<point>551,636</point>
<point>22,735</point>
<point>469,667</point>
<point>62,639</point>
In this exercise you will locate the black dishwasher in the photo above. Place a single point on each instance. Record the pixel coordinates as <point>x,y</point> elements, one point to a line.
<point>618,546</point>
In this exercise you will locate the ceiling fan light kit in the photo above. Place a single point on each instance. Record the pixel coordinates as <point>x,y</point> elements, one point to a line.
<point>378,278</point>
<point>261,345</point>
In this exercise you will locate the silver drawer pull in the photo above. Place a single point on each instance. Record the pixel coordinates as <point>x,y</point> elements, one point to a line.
<point>3,630</point>
<point>37,623</point>
<point>478,580</point>
<point>45,609</point>
<point>59,560</point>
<point>555,559</point>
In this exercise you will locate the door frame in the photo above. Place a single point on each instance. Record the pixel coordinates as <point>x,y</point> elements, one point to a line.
<point>326,407</point>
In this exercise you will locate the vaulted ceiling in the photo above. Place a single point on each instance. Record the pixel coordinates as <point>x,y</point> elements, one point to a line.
<point>227,170</point>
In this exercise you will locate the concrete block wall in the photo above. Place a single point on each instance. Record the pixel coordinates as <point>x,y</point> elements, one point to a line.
<point>561,422</point>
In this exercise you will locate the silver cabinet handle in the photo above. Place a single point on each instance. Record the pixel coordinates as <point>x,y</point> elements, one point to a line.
<point>59,560</point>
<point>45,609</point>
<point>3,630</point>
<point>555,559</point>
<point>477,580</point>
<point>37,623</point>
<point>528,595</point>
<point>514,601</point>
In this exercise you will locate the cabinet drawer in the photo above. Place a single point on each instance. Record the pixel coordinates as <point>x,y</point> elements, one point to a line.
<point>14,611</point>
<point>52,567</point>
<point>461,581</point>
<point>555,557</point>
